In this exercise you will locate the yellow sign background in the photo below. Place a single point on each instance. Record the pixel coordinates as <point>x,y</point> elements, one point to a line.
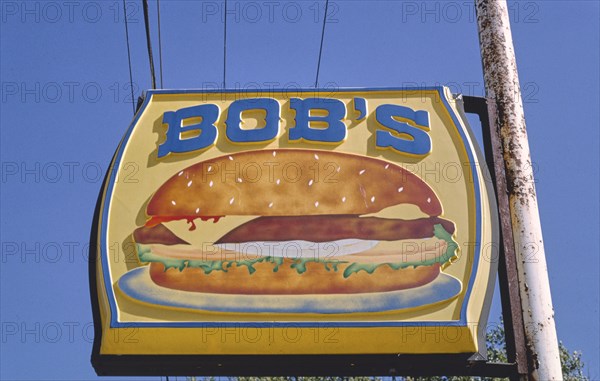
<point>436,328</point>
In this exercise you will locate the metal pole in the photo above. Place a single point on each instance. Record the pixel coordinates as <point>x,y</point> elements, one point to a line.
<point>503,90</point>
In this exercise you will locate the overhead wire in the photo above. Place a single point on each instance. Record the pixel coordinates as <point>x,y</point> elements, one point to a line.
<point>225,45</point>
<point>128,56</point>
<point>149,43</point>
<point>159,44</point>
<point>322,38</point>
<point>150,55</point>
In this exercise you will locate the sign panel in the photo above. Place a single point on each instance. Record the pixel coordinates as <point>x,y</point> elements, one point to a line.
<point>295,222</point>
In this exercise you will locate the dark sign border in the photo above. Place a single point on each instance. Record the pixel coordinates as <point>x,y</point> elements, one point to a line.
<point>320,365</point>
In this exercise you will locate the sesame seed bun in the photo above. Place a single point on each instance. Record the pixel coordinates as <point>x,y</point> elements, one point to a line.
<point>316,280</point>
<point>290,182</point>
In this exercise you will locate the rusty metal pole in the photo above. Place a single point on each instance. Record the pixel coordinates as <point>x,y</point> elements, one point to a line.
<point>503,90</point>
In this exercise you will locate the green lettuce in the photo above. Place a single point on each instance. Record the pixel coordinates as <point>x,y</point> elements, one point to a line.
<point>146,255</point>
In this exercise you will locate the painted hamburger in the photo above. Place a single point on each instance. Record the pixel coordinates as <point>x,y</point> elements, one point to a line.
<point>295,221</point>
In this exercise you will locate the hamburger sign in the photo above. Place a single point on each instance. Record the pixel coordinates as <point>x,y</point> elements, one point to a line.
<point>304,222</point>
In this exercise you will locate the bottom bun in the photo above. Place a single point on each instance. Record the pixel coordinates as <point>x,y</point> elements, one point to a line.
<point>286,281</point>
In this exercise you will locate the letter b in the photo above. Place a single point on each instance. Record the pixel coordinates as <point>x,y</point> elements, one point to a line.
<point>191,137</point>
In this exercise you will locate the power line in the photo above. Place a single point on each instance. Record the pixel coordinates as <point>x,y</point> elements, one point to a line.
<point>225,46</point>
<point>322,38</point>
<point>128,56</point>
<point>149,43</point>
<point>159,44</point>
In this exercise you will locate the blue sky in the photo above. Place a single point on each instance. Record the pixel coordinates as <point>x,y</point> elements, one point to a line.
<point>65,106</point>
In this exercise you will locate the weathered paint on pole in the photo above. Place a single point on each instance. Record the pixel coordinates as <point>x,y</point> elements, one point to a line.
<point>502,88</point>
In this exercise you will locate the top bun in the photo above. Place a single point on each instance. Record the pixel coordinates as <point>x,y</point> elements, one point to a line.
<point>290,182</point>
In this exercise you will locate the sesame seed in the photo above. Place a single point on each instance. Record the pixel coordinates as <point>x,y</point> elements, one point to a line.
<point>274,153</point>
<point>429,199</point>
<point>197,210</point>
<point>231,201</point>
<point>316,157</point>
<point>230,158</point>
<point>270,205</point>
<point>173,202</point>
<point>362,171</point>
<point>400,189</point>
<point>373,199</point>
<point>344,199</point>
<point>180,173</point>
<point>190,183</point>
<point>209,168</point>
<point>310,182</point>
<point>316,204</point>
<point>338,169</point>
<point>278,181</point>
<point>239,179</point>
<point>210,184</point>
<point>387,166</point>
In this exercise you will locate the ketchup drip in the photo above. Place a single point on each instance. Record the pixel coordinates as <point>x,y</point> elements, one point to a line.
<point>156,220</point>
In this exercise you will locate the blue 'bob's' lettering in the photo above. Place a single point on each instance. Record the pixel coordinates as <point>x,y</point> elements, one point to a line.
<point>334,132</point>
<point>234,131</point>
<point>403,137</point>
<point>176,142</point>
<point>318,120</point>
